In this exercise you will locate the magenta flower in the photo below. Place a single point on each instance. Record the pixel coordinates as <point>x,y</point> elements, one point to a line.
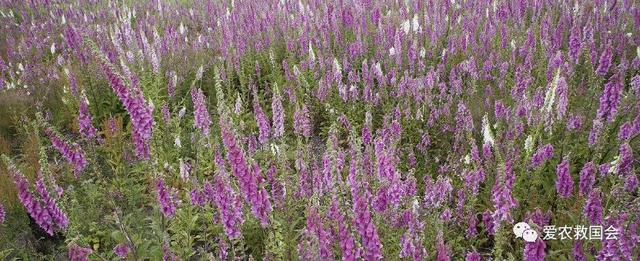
<point>593,208</point>
<point>262,121</point>
<point>302,122</point>
<point>605,61</point>
<point>165,199</point>
<point>73,153</point>
<point>366,228</point>
<point>3,214</point>
<point>33,206</point>
<point>587,178</point>
<point>534,251</point>
<point>278,113</point>
<point>247,177</point>
<point>77,253</point>
<point>84,119</point>
<point>202,120</point>
<point>121,250</point>
<point>542,155</point>
<point>59,217</point>
<point>133,100</point>
<point>473,256</point>
<point>564,182</point>
<point>609,100</point>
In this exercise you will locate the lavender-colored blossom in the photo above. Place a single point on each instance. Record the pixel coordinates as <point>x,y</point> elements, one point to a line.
<point>3,214</point>
<point>501,196</point>
<point>59,217</point>
<point>626,161</point>
<point>262,121</point>
<point>593,208</point>
<point>226,200</point>
<point>165,199</point>
<point>366,228</point>
<point>575,43</point>
<point>438,192</point>
<point>587,178</point>
<point>348,247</point>
<point>197,197</point>
<point>564,182</point>
<point>134,102</point>
<point>609,100</point>
<point>594,135</point>
<point>202,120</point>
<point>631,183</point>
<point>442,252</point>
<point>605,61</point>
<point>278,113</point>
<point>543,154</point>
<point>534,251</point>
<point>33,206</point>
<point>302,122</point>
<point>71,152</point>
<point>84,119</point>
<point>248,178</point>
<point>121,250</point>
<point>473,256</point>
<point>166,114</point>
<point>626,131</point>
<point>574,123</point>
<point>316,227</point>
<point>77,253</point>
<point>578,253</point>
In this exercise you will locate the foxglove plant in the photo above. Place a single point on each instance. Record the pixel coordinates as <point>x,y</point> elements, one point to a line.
<point>73,153</point>
<point>165,199</point>
<point>84,119</point>
<point>59,218</point>
<point>202,120</point>
<point>564,181</point>
<point>134,102</point>
<point>34,207</point>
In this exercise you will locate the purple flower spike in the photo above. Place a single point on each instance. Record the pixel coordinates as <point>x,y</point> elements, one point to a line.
<point>564,182</point>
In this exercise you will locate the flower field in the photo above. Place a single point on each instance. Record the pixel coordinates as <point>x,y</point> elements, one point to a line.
<point>319,130</point>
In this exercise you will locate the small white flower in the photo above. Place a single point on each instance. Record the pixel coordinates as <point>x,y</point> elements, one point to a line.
<point>312,55</point>
<point>528,144</point>
<point>415,24</point>
<point>181,28</point>
<point>182,112</point>
<point>199,73</point>
<point>392,51</point>
<point>337,65</point>
<point>184,170</point>
<point>467,159</point>
<point>423,52</point>
<point>177,142</point>
<point>550,95</point>
<point>486,131</point>
<point>406,26</point>
<point>614,164</point>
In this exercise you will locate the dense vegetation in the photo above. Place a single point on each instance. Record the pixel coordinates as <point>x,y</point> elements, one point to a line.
<point>318,130</point>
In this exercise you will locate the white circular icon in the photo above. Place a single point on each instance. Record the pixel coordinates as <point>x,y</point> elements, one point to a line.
<point>530,235</point>
<point>519,228</point>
